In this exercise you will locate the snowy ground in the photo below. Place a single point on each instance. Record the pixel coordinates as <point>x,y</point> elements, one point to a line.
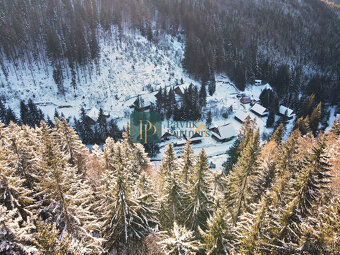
<point>128,69</point>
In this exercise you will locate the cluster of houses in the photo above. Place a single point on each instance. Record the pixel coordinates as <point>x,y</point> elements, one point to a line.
<point>222,134</point>
<point>228,132</point>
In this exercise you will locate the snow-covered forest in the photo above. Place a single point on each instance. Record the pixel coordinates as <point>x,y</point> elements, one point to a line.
<point>64,46</point>
<point>263,78</point>
<point>57,197</point>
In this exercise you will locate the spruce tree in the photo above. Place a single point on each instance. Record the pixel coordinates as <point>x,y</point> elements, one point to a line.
<point>277,135</point>
<point>47,241</point>
<point>181,241</point>
<point>219,237</point>
<point>70,144</point>
<point>2,112</point>
<point>239,196</point>
<point>312,179</point>
<point>126,217</point>
<point>188,162</point>
<point>169,163</point>
<point>62,196</point>
<point>174,200</point>
<point>21,145</point>
<point>13,193</point>
<point>15,233</point>
<point>203,95</point>
<point>212,87</point>
<point>315,119</point>
<point>200,200</point>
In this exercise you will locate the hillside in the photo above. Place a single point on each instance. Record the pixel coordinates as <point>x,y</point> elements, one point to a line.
<point>293,45</point>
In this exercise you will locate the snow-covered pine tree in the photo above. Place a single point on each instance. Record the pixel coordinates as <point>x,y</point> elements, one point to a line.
<point>264,173</point>
<point>21,144</point>
<point>174,200</point>
<point>69,143</point>
<point>126,219</point>
<point>188,162</point>
<point>320,233</point>
<point>13,193</point>
<point>278,133</point>
<point>147,201</point>
<point>200,201</point>
<point>180,242</point>
<point>63,197</point>
<point>312,179</point>
<point>47,241</point>
<point>169,163</point>
<point>239,197</point>
<point>15,233</point>
<point>219,236</point>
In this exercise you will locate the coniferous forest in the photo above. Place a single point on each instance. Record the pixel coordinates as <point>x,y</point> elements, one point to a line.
<point>57,197</point>
<point>293,45</point>
<point>278,191</point>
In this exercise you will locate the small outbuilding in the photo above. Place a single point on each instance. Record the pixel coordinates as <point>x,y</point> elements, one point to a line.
<point>196,138</point>
<point>245,100</point>
<point>259,110</point>
<point>241,116</point>
<point>180,143</point>
<point>286,112</point>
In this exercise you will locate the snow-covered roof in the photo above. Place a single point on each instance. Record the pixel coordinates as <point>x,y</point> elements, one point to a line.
<point>227,131</point>
<point>259,109</point>
<point>195,139</point>
<point>94,114</point>
<point>285,111</point>
<point>241,115</point>
<point>267,86</point>
<point>180,143</point>
<point>258,81</point>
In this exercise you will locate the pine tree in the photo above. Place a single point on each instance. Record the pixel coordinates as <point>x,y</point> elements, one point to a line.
<point>62,196</point>
<point>277,135</point>
<point>203,95</point>
<point>70,144</point>
<point>200,201</point>
<point>175,198</point>
<point>315,119</point>
<point>219,236</point>
<point>239,196</point>
<point>169,163</point>
<point>188,162</point>
<point>15,233</point>
<point>14,195</point>
<point>180,242</point>
<point>126,221</point>
<point>47,240</point>
<point>312,179</point>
